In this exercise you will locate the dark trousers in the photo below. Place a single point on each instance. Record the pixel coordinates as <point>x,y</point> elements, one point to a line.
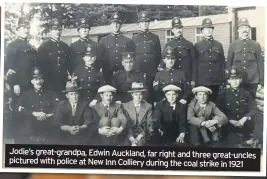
<point>251,88</point>
<point>214,89</point>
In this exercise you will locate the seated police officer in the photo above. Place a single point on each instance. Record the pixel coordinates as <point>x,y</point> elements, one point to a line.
<point>171,117</point>
<point>75,118</point>
<point>89,77</point>
<point>37,107</point>
<point>204,119</point>
<point>169,76</point>
<point>138,113</point>
<point>111,120</point>
<point>123,79</point>
<point>240,108</point>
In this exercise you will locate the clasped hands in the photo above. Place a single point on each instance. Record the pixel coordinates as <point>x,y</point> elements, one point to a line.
<point>110,131</point>
<point>210,124</point>
<point>136,140</point>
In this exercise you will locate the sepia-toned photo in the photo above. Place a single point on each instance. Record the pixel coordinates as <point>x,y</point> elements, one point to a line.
<point>133,75</point>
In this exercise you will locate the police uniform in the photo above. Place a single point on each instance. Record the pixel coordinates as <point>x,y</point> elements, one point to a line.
<point>110,48</point>
<point>171,76</point>
<point>89,79</point>
<point>236,104</point>
<point>78,48</point>
<point>54,57</point>
<point>21,57</point>
<point>123,80</point>
<point>210,62</point>
<point>147,51</point>
<point>245,55</point>
<point>184,53</point>
<point>37,131</point>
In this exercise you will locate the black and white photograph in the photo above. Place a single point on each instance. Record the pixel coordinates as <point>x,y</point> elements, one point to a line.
<point>134,76</point>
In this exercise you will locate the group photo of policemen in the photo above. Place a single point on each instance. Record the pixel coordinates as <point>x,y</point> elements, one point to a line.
<point>131,92</point>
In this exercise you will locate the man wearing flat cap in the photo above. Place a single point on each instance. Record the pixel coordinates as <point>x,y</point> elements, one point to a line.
<point>111,47</point>
<point>54,59</point>
<point>89,78</point>
<point>111,120</point>
<point>245,55</point>
<point>37,107</point>
<point>123,79</point>
<point>20,58</point>
<point>75,118</point>
<point>138,113</point>
<point>173,76</point>
<point>205,119</point>
<point>79,48</point>
<point>184,52</point>
<point>210,60</point>
<point>170,115</point>
<point>147,51</point>
<point>241,110</point>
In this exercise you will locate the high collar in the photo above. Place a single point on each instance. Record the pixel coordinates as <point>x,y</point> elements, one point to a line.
<point>208,38</point>
<point>38,91</point>
<point>88,68</point>
<point>23,39</point>
<point>116,34</point>
<point>179,38</point>
<point>84,39</point>
<point>54,40</point>
<point>170,69</point>
<point>144,31</point>
<point>105,104</point>
<point>244,39</point>
<point>235,90</point>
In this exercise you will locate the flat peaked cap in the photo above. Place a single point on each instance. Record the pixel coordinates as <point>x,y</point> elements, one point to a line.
<point>243,22</point>
<point>89,51</point>
<point>171,88</point>
<point>106,88</point>
<point>201,89</point>
<point>127,55</point>
<point>207,23</point>
<point>168,52</point>
<point>137,87</point>
<point>56,23</point>
<point>83,23</point>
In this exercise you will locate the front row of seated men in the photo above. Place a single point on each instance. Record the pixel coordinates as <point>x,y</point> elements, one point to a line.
<point>136,123</point>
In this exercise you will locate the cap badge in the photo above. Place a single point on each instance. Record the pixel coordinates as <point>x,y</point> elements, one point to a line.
<point>143,15</point>
<point>169,51</point>
<point>128,56</point>
<point>176,21</point>
<point>36,71</point>
<point>243,20</point>
<point>83,21</point>
<point>233,71</point>
<point>89,48</point>
<point>207,21</point>
<point>116,16</point>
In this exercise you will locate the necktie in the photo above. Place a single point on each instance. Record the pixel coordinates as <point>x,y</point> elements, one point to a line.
<point>106,111</point>
<point>137,108</point>
<point>73,109</point>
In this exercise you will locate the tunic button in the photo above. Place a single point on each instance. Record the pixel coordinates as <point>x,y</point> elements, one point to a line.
<point>237,109</point>
<point>210,50</point>
<point>209,69</point>
<point>145,53</point>
<point>88,84</point>
<point>245,61</point>
<point>237,115</point>
<point>116,50</point>
<point>179,66</point>
<point>179,46</point>
<point>244,54</point>
<point>172,79</point>
<point>144,60</point>
<point>58,45</point>
<point>58,70</point>
<point>58,57</point>
<point>58,51</point>
<point>41,109</point>
<point>179,52</point>
<point>210,56</point>
<point>210,63</point>
<point>144,47</point>
<point>116,57</point>
<point>180,59</point>
<point>171,73</point>
<point>236,95</point>
<point>244,67</point>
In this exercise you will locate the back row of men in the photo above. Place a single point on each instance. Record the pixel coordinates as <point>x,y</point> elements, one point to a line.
<point>124,61</point>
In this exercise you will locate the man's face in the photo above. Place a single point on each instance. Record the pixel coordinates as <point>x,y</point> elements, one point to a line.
<point>202,97</point>
<point>116,27</point>
<point>169,62</point>
<point>244,31</point>
<point>177,31</point>
<point>56,33</point>
<point>207,31</point>
<point>107,97</point>
<point>171,96</point>
<point>23,32</point>
<point>89,60</point>
<point>37,83</point>
<point>234,82</point>
<point>73,96</point>
<point>144,25</point>
<point>127,64</point>
<point>137,96</point>
<point>84,32</point>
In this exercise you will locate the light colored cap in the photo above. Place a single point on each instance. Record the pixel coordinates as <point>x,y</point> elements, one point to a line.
<point>201,89</point>
<point>106,88</point>
<point>171,88</point>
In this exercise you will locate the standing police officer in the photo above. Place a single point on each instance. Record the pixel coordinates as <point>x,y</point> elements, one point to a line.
<point>20,58</point>
<point>147,51</point>
<point>78,48</point>
<point>110,48</point>
<point>54,57</point>
<point>245,55</point>
<point>185,54</point>
<point>210,60</point>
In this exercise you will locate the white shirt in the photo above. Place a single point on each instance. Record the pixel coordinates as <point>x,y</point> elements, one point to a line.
<point>173,106</point>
